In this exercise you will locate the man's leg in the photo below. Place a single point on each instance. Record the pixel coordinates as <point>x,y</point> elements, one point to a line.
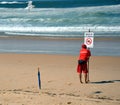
<point>80,76</point>
<point>85,73</point>
<point>86,78</point>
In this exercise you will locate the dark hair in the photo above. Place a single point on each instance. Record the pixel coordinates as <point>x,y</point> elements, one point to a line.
<point>84,46</point>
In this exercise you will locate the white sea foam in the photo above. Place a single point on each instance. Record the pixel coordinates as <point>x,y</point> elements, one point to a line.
<point>60,29</point>
<point>12,2</point>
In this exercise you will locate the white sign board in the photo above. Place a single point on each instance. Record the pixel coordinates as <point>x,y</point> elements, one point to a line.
<point>89,39</point>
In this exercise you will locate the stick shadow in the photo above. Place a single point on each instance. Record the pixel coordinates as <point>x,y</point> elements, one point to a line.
<point>105,82</point>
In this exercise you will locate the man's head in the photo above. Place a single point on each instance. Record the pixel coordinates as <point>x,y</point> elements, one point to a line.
<point>84,46</point>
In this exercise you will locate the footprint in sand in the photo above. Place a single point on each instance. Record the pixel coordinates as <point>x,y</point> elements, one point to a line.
<point>50,81</point>
<point>97,92</point>
<point>69,102</point>
<point>69,84</point>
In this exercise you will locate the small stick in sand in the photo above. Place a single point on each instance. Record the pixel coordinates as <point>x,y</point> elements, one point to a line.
<point>39,80</point>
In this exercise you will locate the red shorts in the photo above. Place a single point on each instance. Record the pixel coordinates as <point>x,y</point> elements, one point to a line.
<point>82,68</point>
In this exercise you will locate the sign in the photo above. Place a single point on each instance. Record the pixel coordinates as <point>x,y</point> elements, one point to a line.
<point>89,39</point>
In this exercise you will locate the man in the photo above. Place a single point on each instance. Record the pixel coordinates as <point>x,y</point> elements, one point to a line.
<point>82,63</point>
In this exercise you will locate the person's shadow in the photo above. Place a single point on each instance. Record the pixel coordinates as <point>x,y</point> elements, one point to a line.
<point>104,82</point>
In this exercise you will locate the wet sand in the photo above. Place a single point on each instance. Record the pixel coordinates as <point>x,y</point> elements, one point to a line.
<point>103,46</point>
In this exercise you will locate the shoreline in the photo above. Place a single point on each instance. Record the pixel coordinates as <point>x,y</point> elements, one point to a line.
<point>99,37</point>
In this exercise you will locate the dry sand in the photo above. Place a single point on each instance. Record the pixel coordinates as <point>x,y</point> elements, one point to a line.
<point>59,80</point>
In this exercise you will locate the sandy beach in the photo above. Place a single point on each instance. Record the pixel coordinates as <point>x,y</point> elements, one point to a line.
<point>59,80</point>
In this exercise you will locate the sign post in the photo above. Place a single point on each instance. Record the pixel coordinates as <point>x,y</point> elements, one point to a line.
<point>89,42</point>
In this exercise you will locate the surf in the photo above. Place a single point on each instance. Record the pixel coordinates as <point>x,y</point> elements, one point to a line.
<point>58,3</point>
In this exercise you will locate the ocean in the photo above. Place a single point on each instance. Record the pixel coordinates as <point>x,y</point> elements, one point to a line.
<point>59,18</point>
<point>64,18</point>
